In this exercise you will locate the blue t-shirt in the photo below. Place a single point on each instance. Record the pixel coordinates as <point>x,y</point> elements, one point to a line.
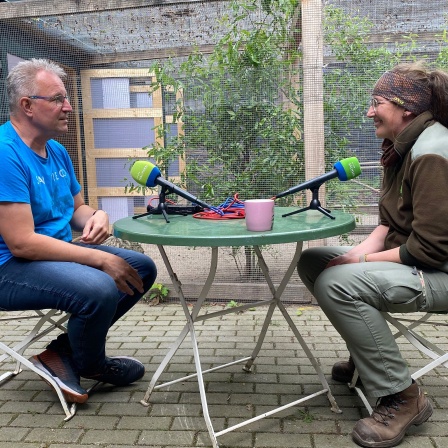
<point>47,184</point>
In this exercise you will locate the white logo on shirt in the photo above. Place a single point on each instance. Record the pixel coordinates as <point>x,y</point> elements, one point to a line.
<point>54,176</point>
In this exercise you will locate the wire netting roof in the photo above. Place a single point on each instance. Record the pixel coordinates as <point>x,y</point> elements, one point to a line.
<point>140,29</point>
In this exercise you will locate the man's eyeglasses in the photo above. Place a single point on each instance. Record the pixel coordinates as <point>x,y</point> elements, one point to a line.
<point>58,100</point>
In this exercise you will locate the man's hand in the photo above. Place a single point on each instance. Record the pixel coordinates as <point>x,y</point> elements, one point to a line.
<point>96,229</point>
<point>123,274</point>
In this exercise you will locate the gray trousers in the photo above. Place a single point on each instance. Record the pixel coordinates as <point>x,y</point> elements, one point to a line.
<point>353,296</point>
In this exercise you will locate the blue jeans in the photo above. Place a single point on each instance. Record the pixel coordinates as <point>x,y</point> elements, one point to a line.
<point>88,294</point>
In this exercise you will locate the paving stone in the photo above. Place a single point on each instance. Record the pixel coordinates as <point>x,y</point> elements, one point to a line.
<point>40,435</point>
<point>175,438</point>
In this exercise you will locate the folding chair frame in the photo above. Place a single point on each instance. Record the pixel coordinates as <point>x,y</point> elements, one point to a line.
<point>438,356</point>
<point>48,320</point>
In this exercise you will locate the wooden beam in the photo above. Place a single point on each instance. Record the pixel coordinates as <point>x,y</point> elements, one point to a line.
<point>33,8</point>
<point>185,51</point>
<point>161,53</point>
<point>384,38</point>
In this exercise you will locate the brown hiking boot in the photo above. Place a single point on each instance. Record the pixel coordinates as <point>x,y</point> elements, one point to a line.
<point>391,417</point>
<point>343,371</point>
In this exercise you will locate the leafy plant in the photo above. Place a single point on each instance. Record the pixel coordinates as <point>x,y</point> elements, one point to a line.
<point>306,416</point>
<point>232,304</point>
<point>157,294</point>
<point>236,135</point>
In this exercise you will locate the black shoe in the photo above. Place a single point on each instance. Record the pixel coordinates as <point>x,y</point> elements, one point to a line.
<point>343,371</point>
<point>60,367</point>
<point>119,371</point>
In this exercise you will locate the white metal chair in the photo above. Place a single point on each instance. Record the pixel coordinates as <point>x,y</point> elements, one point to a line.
<point>411,330</point>
<point>45,322</point>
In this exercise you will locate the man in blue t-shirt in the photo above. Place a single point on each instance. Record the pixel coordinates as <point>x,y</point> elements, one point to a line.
<point>40,268</point>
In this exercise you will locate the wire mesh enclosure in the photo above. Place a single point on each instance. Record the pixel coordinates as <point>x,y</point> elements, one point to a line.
<point>245,98</point>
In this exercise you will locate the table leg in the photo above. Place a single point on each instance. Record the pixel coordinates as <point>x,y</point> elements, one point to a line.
<point>277,293</point>
<point>194,317</point>
<point>323,380</point>
<point>188,328</point>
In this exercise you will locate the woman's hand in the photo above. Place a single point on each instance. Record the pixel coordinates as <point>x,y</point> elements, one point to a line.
<point>346,258</point>
<point>373,246</point>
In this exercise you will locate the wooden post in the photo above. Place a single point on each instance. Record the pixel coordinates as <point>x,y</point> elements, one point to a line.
<point>312,44</point>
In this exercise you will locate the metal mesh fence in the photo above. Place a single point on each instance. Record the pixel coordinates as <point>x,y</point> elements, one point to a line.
<point>246,97</point>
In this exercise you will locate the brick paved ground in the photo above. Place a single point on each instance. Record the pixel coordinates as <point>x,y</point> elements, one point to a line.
<point>31,416</point>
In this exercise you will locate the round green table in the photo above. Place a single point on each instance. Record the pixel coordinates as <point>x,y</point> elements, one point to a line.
<point>190,231</point>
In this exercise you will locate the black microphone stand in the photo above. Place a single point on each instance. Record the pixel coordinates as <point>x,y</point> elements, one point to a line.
<point>314,205</point>
<point>161,206</point>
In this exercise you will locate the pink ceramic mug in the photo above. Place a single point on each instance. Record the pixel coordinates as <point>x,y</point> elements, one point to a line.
<point>259,214</point>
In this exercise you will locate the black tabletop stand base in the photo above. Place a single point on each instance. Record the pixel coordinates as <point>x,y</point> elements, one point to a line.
<point>160,209</point>
<point>314,205</point>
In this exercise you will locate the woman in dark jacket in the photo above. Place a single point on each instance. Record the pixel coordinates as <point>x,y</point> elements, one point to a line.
<point>402,265</point>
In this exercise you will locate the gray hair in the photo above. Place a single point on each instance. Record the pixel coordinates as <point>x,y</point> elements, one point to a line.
<point>21,79</point>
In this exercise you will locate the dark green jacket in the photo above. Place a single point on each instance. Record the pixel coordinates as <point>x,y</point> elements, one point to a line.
<point>414,197</point>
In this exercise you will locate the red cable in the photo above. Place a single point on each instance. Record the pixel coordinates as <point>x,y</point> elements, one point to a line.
<point>156,198</point>
<point>229,212</point>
